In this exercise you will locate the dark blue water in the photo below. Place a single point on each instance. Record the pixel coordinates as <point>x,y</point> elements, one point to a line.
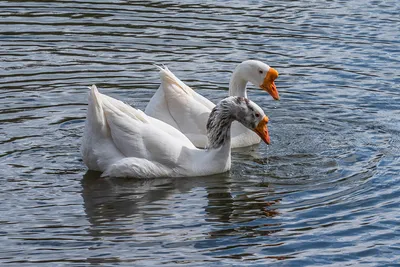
<point>326,192</point>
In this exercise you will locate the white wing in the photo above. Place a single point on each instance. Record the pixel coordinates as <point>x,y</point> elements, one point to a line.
<point>115,132</point>
<point>124,142</point>
<point>178,105</point>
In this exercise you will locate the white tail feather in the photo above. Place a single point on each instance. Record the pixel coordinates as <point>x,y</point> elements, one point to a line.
<point>118,106</point>
<point>169,78</point>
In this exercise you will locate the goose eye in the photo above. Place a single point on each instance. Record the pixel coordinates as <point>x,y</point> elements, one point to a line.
<point>260,71</point>
<point>257,115</point>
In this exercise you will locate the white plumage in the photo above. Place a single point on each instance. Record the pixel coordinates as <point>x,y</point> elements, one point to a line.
<point>121,141</point>
<point>188,111</point>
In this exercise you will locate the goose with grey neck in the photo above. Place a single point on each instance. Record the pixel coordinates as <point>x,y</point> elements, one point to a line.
<point>121,141</point>
<point>188,111</point>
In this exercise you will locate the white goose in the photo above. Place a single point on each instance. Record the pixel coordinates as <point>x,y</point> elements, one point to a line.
<point>188,111</point>
<point>121,141</point>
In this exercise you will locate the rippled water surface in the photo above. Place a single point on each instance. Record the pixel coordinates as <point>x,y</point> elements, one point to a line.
<point>325,192</point>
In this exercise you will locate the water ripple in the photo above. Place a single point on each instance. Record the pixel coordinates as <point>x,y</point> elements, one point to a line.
<point>325,192</point>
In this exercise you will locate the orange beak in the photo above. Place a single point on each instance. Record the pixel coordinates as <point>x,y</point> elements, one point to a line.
<point>269,83</point>
<point>262,130</point>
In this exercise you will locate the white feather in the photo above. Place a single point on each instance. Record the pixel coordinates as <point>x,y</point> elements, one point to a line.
<point>181,107</point>
<point>124,142</point>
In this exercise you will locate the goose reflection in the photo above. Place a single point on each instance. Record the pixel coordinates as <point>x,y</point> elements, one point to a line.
<point>113,199</point>
<point>114,206</point>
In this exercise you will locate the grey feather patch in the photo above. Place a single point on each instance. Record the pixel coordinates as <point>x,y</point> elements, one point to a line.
<point>225,112</point>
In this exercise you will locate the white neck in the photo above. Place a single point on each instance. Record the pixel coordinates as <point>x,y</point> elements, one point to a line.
<point>215,160</point>
<point>217,157</point>
<point>237,85</point>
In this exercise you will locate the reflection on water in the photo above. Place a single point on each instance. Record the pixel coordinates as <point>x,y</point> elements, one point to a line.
<point>134,210</point>
<point>107,200</point>
<point>325,192</point>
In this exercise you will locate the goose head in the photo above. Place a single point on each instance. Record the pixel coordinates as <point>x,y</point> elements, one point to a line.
<point>253,117</point>
<point>259,74</point>
<point>235,108</point>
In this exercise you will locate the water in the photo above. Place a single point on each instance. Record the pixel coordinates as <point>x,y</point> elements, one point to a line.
<point>324,193</point>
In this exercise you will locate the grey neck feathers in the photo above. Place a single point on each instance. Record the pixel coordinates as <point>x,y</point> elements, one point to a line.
<point>219,124</point>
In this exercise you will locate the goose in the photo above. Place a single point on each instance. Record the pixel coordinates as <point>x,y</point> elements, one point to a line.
<point>188,111</point>
<point>121,141</point>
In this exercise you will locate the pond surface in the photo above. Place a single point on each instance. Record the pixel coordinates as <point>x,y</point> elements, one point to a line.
<point>326,192</point>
